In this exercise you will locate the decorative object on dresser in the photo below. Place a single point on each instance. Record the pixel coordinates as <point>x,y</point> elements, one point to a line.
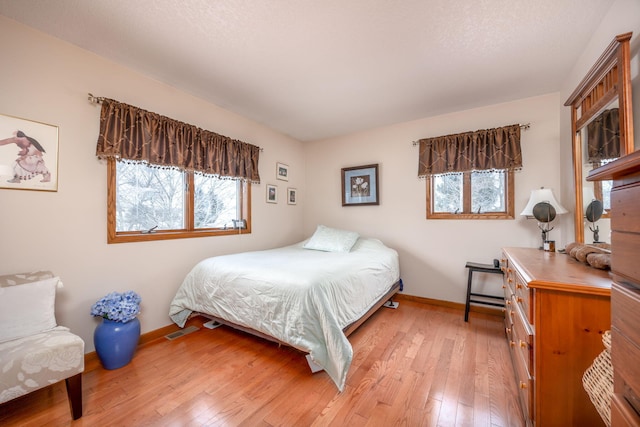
<point>625,291</point>
<point>557,309</point>
<point>593,213</point>
<point>543,206</point>
<point>597,255</point>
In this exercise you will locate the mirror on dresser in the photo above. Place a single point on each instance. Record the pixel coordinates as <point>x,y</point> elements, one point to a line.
<point>602,127</point>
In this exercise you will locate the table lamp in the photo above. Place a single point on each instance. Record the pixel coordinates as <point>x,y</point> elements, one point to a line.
<point>544,207</point>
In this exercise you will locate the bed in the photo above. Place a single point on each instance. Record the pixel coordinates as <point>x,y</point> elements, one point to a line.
<point>309,295</point>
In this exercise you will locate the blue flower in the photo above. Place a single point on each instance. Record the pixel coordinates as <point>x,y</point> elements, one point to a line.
<point>119,307</point>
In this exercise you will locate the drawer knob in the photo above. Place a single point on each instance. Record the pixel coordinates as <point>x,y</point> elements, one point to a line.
<point>504,287</point>
<point>523,385</point>
<point>508,302</point>
<point>510,280</point>
<point>508,330</point>
<point>518,286</point>
<point>523,344</point>
<point>512,343</point>
<point>518,299</point>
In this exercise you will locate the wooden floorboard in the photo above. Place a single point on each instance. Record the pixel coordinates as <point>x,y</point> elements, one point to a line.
<point>419,365</point>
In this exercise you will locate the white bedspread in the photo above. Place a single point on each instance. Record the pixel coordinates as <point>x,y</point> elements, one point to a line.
<point>301,297</point>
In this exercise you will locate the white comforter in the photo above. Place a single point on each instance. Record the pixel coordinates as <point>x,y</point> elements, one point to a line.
<point>300,296</point>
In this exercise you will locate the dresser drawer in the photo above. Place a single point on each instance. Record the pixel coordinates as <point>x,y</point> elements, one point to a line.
<point>624,259</point>
<point>508,320</point>
<point>625,203</point>
<point>625,315</point>
<point>523,297</point>
<point>508,280</point>
<point>523,339</point>
<point>625,356</point>
<point>525,385</point>
<point>623,415</point>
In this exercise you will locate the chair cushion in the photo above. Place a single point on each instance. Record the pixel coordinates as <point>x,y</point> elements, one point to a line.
<point>36,361</point>
<point>27,309</point>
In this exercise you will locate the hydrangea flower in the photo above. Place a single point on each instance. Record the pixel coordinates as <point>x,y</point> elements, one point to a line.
<point>120,307</point>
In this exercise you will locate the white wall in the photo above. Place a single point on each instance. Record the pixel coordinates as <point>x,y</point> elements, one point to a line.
<point>46,80</point>
<point>623,16</point>
<point>433,253</point>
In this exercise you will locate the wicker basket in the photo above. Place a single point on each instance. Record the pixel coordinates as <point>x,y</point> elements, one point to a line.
<point>598,380</point>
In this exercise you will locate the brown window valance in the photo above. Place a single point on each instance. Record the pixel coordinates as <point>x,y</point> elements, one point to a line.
<point>603,137</point>
<point>131,133</point>
<point>487,149</point>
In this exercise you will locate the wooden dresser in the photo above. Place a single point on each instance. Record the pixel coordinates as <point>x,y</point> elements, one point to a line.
<point>556,312</point>
<point>625,293</point>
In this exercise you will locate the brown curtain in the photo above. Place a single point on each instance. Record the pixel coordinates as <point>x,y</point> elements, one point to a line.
<point>603,137</point>
<point>487,149</point>
<point>131,133</point>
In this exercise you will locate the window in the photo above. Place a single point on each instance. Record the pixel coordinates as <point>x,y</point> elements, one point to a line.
<point>470,195</point>
<point>470,175</point>
<point>148,203</point>
<point>167,179</point>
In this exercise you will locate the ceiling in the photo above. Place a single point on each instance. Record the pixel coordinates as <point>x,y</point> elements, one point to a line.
<point>315,69</point>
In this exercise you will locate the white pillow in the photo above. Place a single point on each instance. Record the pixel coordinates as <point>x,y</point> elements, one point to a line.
<point>332,240</point>
<point>27,309</point>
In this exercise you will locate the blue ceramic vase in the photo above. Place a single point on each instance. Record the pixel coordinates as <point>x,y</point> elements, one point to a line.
<point>116,342</point>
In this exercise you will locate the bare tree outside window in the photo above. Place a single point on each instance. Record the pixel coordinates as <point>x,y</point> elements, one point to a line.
<point>154,198</point>
<point>148,197</point>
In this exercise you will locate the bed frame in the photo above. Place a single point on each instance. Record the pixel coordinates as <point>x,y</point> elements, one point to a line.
<point>386,300</point>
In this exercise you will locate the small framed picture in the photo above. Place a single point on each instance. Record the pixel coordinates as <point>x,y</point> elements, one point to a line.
<point>282,172</point>
<point>28,154</point>
<point>360,186</point>
<point>272,193</point>
<point>292,196</point>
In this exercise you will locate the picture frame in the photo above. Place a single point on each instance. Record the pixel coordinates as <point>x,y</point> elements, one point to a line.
<point>34,165</point>
<point>282,171</point>
<point>360,186</point>
<point>292,196</point>
<point>272,193</point>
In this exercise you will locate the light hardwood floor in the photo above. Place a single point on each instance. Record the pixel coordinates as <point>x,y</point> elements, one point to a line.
<point>419,365</point>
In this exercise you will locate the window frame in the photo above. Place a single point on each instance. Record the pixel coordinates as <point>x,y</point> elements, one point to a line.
<point>466,200</point>
<point>190,231</point>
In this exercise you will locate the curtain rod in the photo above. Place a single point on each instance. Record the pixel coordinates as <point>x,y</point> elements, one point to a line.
<point>99,99</point>
<point>95,99</point>
<point>523,127</point>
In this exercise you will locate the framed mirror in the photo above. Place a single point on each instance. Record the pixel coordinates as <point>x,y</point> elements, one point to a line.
<point>602,128</point>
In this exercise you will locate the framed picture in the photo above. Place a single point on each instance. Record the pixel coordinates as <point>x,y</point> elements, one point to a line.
<point>28,154</point>
<point>292,196</point>
<point>360,186</point>
<point>272,193</point>
<point>282,171</point>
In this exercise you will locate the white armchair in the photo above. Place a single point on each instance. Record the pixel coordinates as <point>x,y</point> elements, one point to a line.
<point>34,351</point>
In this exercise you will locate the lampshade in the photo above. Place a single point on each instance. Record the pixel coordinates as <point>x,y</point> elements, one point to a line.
<point>543,195</point>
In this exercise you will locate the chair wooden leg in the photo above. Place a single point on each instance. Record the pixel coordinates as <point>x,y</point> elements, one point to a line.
<point>74,392</point>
